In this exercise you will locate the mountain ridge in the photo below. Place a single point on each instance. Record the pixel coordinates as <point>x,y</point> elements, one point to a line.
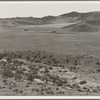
<point>63,18</point>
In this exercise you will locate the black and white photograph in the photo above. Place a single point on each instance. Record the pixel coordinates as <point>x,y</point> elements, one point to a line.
<point>50,48</point>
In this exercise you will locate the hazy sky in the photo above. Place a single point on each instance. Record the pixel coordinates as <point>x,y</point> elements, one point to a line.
<point>40,9</point>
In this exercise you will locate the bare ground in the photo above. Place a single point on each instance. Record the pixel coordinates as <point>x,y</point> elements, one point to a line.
<point>44,63</point>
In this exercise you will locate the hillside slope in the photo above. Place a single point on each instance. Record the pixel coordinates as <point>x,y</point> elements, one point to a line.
<point>93,17</point>
<point>81,27</point>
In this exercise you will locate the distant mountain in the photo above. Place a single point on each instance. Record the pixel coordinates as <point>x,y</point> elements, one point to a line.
<point>90,17</point>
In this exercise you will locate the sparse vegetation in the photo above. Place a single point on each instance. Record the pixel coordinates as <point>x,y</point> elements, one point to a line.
<point>44,72</point>
<point>82,82</point>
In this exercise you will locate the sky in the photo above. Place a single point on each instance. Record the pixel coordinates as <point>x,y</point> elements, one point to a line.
<point>40,8</point>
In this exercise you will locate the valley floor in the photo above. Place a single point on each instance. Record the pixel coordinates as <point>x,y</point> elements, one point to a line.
<point>38,62</point>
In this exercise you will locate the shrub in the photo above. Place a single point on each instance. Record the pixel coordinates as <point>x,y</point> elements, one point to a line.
<point>46,70</point>
<point>30,77</point>
<point>67,60</point>
<point>29,83</point>
<point>9,60</point>
<point>27,86</point>
<point>10,87</point>
<point>95,91</point>
<point>75,63</point>
<point>40,66</point>
<point>74,77</point>
<point>23,69</point>
<point>21,91</point>
<point>4,81</point>
<point>18,76</point>
<point>37,90</point>
<point>57,88</point>
<point>8,73</point>
<point>12,68</point>
<point>64,81</point>
<point>59,83</point>
<point>80,90</point>
<point>51,68</point>
<point>98,70</point>
<point>19,71</point>
<point>36,69</point>
<point>16,90</point>
<point>50,92</point>
<point>82,82</point>
<point>32,89</point>
<point>60,70</point>
<point>69,85</point>
<point>61,92</point>
<point>34,72</point>
<point>97,63</point>
<point>1,56</point>
<point>0,87</point>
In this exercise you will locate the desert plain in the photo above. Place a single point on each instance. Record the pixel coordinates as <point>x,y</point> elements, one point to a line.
<point>51,59</point>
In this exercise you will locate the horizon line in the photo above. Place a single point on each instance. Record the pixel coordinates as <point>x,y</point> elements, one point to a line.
<point>48,15</point>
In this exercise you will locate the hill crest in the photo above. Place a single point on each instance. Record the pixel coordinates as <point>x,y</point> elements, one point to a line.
<point>64,18</point>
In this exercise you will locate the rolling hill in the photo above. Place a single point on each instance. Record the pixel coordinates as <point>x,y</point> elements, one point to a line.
<point>81,27</point>
<point>91,17</point>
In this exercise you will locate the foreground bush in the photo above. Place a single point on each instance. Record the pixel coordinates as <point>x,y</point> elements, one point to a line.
<point>8,73</point>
